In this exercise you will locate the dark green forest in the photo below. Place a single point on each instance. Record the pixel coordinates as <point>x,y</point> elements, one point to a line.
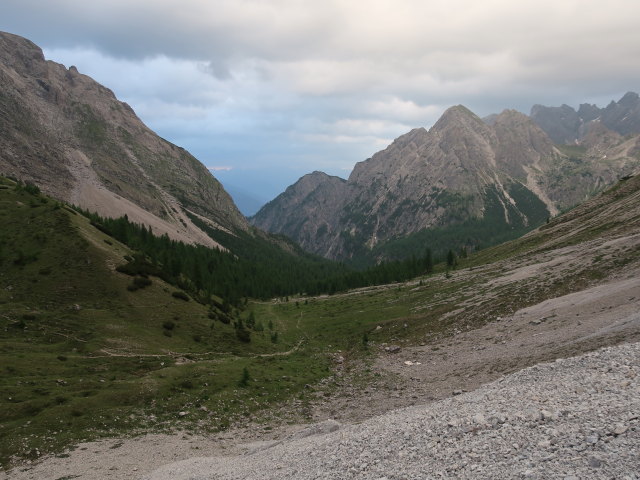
<point>256,266</point>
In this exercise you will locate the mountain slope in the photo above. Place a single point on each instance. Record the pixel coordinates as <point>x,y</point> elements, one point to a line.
<point>73,138</point>
<point>463,175</point>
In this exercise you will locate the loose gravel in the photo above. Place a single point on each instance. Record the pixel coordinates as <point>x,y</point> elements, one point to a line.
<point>574,418</point>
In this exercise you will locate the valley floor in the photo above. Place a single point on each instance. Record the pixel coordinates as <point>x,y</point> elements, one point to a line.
<point>436,376</point>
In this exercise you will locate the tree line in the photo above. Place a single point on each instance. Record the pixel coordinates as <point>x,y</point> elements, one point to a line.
<point>256,265</point>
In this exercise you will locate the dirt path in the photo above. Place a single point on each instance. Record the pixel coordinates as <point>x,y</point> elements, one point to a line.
<point>604,314</point>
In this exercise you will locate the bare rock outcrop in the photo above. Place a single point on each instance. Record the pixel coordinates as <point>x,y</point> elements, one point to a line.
<point>72,137</point>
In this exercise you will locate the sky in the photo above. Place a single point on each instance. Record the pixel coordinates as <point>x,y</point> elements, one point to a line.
<point>265,91</point>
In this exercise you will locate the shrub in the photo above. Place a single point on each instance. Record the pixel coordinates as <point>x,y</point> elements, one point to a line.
<point>244,380</point>
<point>139,283</point>
<point>180,295</point>
<point>168,325</point>
<point>243,335</point>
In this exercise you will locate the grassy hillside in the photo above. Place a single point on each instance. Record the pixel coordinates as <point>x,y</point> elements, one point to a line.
<point>83,356</point>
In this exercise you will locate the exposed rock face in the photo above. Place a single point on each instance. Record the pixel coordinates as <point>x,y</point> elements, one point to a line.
<point>561,123</point>
<point>566,126</point>
<point>506,170</point>
<point>316,195</point>
<point>74,139</point>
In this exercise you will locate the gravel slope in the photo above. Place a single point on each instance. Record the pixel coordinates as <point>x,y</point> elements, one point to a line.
<point>572,418</point>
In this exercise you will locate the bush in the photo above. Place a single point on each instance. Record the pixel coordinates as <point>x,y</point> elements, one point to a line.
<point>243,335</point>
<point>244,380</point>
<point>181,295</point>
<point>168,325</point>
<point>139,283</point>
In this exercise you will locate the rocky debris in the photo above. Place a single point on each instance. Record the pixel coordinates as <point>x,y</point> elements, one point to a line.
<point>570,418</point>
<point>392,349</point>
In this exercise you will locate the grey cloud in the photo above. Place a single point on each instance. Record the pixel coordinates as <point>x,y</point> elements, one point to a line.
<point>328,81</point>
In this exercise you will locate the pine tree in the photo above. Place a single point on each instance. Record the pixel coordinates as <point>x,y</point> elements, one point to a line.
<point>451,259</point>
<point>428,261</point>
<point>244,380</point>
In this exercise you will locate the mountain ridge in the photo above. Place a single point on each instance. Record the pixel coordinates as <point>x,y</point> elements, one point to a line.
<point>79,143</point>
<point>462,168</point>
<point>565,125</point>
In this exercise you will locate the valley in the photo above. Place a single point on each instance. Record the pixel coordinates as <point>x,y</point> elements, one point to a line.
<point>436,294</point>
<point>565,289</point>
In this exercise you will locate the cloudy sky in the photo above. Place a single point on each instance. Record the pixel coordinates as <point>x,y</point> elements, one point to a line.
<point>264,91</point>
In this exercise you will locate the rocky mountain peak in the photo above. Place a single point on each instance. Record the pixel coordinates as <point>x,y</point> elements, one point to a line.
<point>310,182</point>
<point>458,116</point>
<point>502,175</point>
<point>22,55</point>
<point>566,126</point>
<point>72,137</point>
<point>630,100</point>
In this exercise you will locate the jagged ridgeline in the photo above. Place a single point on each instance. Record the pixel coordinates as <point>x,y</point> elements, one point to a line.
<point>464,184</point>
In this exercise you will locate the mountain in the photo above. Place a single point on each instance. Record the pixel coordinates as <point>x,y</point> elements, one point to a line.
<point>463,183</point>
<point>75,140</point>
<point>565,125</point>
<point>316,196</point>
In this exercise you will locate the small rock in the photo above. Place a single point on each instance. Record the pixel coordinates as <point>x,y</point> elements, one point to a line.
<point>479,419</point>
<point>392,349</point>
<point>595,462</point>
<point>592,438</point>
<point>458,392</point>
<point>620,429</point>
<point>182,414</point>
<point>547,415</point>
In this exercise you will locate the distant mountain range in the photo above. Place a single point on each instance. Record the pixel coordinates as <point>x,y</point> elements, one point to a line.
<point>565,125</point>
<point>462,184</point>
